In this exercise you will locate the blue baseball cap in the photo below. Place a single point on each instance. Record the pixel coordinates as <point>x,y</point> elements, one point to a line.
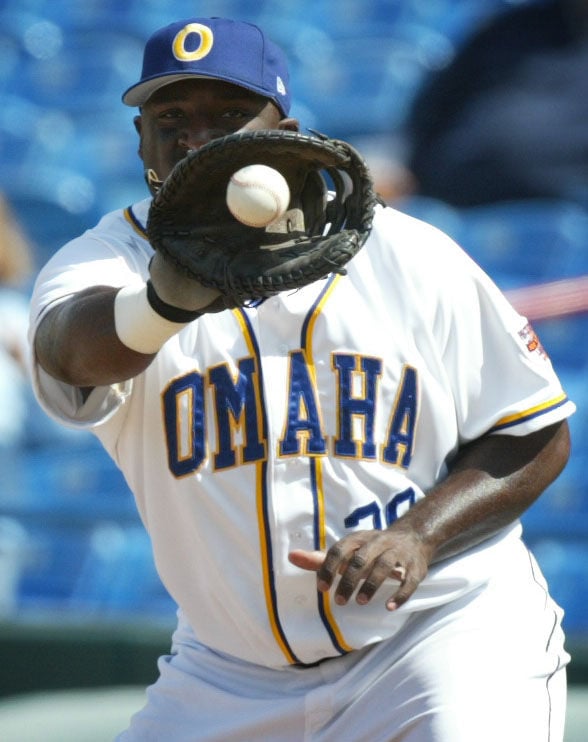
<point>216,48</point>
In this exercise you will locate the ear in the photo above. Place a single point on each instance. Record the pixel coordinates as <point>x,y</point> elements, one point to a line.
<point>289,125</point>
<point>138,128</point>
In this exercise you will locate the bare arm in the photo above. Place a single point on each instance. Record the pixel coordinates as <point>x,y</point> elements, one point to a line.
<point>77,343</point>
<point>491,483</point>
<point>497,478</point>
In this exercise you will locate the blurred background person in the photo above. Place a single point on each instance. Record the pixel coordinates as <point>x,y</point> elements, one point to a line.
<point>22,422</point>
<point>16,270</point>
<point>507,118</point>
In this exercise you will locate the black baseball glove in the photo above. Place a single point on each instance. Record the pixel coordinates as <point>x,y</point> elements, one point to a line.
<point>328,220</point>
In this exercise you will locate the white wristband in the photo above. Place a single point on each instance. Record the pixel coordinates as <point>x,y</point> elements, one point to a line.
<point>137,324</point>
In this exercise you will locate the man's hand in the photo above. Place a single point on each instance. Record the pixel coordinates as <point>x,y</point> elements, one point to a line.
<point>179,290</point>
<point>490,484</point>
<point>364,560</point>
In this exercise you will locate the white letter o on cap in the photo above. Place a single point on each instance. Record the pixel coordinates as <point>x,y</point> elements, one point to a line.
<point>179,43</point>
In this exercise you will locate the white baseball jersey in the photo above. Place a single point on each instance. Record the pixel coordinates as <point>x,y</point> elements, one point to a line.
<point>287,425</point>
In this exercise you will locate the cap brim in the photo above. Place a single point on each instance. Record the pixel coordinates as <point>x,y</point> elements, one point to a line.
<point>139,94</point>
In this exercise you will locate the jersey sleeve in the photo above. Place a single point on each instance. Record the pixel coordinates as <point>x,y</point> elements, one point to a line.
<point>108,255</point>
<point>501,376</point>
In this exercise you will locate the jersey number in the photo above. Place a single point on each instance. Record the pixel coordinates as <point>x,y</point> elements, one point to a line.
<point>398,505</point>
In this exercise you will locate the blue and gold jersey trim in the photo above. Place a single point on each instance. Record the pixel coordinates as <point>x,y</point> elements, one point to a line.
<point>318,494</point>
<point>134,222</point>
<point>262,500</point>
<point>520,417</point>
<point>316,478</point>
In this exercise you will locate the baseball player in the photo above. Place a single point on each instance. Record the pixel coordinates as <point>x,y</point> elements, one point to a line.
<point>332,478</point>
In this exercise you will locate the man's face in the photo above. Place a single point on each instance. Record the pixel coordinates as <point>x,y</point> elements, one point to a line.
<point>187,114</point>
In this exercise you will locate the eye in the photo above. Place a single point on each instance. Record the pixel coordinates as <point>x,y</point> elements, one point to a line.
<point>172,114</point>
<point>236,113</point>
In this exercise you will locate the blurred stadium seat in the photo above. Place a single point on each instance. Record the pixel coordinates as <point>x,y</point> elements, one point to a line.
<point>117,577</point>
<point>65,481</point>
<point>372,90</point>
<point>517,243</point>
<point>82,546</point>
<point>435,212</point>
<point>566,341</point>
<point>90,68</point>
<point>51,223</point>
<point>526,242</point>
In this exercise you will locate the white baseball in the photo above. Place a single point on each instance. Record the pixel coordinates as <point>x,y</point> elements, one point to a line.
<point>257,195</point>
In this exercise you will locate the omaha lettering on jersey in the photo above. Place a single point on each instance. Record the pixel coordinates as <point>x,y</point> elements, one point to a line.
<point>237,404</point>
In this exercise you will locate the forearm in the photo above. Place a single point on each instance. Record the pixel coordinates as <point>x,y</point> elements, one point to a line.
<point>490,484</point>
<point>104,335</point>
<point>77,342</point>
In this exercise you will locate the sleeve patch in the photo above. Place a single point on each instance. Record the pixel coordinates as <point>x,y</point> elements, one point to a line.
<point>531,341</point>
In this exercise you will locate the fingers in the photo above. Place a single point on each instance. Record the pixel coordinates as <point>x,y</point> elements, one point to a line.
<point>350,563</point>
<point>408,578</point>
<point>309,560</point>
<point>407,587</point>
<point>365,577</point>
<point>362,563</point>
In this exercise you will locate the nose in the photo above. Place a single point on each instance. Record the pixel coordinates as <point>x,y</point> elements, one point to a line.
<point>195,137</point>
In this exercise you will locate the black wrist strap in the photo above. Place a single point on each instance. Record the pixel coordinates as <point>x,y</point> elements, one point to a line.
<point>168,311</point>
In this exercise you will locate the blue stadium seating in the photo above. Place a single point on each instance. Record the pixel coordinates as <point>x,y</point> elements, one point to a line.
<point>83,547</point>
<point>566,341</point>
<point>435,212</point>
<point>49,223</point>
<point>526,242</point>
<point>65,481</point>
<point>117,576</point>
<point>103,569</point>
<point>372,90</point>
<point>354,70</point>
